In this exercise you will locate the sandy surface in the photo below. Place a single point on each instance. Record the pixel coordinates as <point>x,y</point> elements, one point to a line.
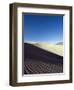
<point>38,60</point>
<point>39,67</point>
<point>57,49</point>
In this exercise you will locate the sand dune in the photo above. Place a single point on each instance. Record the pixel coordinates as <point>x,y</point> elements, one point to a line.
<point>57,49</point>
<point>39,61</point>
<point>39,67</point>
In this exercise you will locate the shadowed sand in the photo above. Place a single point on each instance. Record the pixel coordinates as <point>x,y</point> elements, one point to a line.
<point>38,60</point>
<point>54,48</point>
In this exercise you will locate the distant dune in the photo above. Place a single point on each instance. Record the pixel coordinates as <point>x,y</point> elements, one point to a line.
<point>59,43</point>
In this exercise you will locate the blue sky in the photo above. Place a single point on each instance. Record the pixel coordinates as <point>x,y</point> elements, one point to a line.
<point>43,28</point>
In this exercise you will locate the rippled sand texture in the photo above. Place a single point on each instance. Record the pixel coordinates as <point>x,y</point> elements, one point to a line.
<point>42,58</point>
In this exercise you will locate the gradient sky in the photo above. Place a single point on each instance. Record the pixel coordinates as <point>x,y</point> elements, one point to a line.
<point>43,28</point>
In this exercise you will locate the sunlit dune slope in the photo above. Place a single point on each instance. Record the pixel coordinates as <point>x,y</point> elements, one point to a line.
<point>57,49</point>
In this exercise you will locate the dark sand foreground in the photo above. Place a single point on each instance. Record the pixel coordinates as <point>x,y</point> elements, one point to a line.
<point>39,61</point>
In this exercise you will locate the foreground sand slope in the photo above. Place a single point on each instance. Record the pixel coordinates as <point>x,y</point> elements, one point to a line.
<point>39,61</point>
<point>57,49</point>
